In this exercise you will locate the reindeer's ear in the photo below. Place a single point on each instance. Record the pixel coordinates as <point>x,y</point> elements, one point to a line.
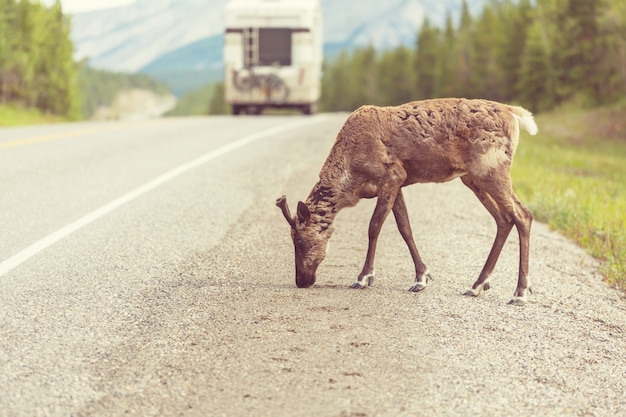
<point>304,214</point>
<point>282,203</point>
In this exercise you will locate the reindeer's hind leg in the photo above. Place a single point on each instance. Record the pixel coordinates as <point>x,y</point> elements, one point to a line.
<point>523,221</point>
<point>404,226</point>
<point>504,226</point>
<point>500,200</point>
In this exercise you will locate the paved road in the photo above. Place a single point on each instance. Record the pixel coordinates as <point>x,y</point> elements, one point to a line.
<point>144,270</point>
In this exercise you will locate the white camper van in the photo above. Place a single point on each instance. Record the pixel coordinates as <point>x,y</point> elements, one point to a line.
<point>273,55</point>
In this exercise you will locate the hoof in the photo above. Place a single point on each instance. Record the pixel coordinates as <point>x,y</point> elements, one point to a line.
<point>518,301</point>
<point>420,285</point>
<point>366,281</point>
<point>417,287</point>
<point>471,293</point>
<point>475,292</point>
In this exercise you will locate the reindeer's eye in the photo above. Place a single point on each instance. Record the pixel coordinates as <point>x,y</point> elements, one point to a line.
<point>301,245</point>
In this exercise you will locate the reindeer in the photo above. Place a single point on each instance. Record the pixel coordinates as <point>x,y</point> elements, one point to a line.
<point>379,150</point>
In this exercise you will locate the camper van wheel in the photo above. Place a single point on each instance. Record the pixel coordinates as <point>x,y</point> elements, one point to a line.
<point>254,110</point>
<point>309,109</point>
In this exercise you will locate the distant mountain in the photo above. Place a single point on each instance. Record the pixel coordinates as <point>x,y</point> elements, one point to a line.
<point>180,41</point>
<point>130,37</point>
<point>191,66</point>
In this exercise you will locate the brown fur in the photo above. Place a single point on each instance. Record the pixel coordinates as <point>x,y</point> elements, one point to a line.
<point>379,150</point>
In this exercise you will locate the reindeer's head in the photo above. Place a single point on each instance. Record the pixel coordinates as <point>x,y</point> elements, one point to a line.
<point>309,242</point>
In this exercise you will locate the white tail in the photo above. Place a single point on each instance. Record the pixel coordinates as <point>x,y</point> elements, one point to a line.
<point>525,119</point>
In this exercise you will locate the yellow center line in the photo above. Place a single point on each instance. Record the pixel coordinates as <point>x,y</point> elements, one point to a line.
<point>46,138</point>
<point>67,135</point>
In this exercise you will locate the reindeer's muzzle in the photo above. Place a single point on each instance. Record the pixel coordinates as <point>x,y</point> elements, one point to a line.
<point>305,280</point>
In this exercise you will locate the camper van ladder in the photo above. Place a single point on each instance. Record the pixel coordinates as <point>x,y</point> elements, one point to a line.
<point>251,47</point>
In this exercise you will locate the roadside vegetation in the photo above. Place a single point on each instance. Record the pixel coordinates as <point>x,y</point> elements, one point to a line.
<point>39,79</point>
<point>572,176</point>
<point>539,54</point>
<point>37,69</point>
<point>207,100</point>
<point>16,115</point>
<point>100,87</point>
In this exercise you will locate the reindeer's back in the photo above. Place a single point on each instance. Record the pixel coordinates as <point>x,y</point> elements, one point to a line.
<point>434,140</point>
<point>441,120</point>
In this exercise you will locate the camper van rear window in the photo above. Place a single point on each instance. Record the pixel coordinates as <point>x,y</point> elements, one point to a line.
<point>274,46</point>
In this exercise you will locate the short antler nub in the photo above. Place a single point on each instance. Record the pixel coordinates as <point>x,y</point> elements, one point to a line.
<point>282,203</point>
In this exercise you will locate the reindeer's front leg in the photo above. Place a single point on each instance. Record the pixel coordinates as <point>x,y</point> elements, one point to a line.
<point>404,226</point>
<point>386,200</point>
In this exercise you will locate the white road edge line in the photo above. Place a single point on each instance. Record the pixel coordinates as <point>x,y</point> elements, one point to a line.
<point>32,250</point>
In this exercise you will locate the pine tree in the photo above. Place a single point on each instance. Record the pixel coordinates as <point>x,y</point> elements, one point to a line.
<point>327,87</point>
<point>578,55</point>
<point>384,68</point>
<point>515,19</point>
<point>447,70</point>
<point>36,63</point>
<point>56,66</point>
<point>362,80</point>
<point>466,17</point>
<point>427,61</point>
<point>8,71</point>
<point>464,54</point>
<point>539,52</point>
<point>336,91</point>
<point>611,51</point>
<point>536,91</point>
<point>396,75</point>
<point>485,76</point>
<point>217,104</point>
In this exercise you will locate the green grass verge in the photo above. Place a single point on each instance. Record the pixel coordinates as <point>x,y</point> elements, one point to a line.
<point>12,115</point>
<point>572,176</point>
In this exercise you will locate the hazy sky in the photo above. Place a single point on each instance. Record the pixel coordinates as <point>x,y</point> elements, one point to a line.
<point>77,6</point>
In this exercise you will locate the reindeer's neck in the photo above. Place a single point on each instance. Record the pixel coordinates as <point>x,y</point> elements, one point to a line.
<point>322,202</point>
<point>329,195</point>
